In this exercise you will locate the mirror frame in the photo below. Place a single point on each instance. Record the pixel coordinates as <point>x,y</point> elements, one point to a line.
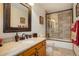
<point>7,19</point>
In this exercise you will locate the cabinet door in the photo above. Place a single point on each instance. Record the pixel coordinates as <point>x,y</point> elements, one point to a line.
<point>42,51</point>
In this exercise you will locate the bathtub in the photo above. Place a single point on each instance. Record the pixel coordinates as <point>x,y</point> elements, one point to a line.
<point>53,42</point>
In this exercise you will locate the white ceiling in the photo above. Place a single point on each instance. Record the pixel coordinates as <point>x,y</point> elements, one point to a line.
<point>53,7</point>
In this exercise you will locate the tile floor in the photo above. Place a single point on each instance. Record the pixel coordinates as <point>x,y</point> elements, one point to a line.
<point>59,52</point>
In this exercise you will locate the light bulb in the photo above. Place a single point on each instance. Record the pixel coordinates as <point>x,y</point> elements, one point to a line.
<point>31,4</point>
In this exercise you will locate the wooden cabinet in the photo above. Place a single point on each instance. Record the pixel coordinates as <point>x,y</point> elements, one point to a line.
<point>41,49</point>
<point>37,50</point>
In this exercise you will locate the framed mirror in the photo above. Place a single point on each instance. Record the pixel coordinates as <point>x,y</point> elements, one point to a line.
<point>17,17</point>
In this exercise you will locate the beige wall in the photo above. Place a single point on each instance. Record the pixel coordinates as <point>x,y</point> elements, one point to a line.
<point>36,27</point>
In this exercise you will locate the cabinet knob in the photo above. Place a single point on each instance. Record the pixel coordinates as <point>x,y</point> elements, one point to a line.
<point>37,53</point>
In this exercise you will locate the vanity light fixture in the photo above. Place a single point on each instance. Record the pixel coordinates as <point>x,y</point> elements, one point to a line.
<point>31,4</point>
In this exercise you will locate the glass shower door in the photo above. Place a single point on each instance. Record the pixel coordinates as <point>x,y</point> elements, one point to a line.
<point>59,24</point>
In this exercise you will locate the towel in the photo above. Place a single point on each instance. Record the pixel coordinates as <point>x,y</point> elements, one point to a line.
<point>75,33</point>
<point>1,41</point>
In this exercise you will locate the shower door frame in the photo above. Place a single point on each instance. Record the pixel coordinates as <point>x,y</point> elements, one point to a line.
<point>58,12</point>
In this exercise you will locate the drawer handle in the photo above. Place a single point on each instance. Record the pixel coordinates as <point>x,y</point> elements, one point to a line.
<point>36,49</point>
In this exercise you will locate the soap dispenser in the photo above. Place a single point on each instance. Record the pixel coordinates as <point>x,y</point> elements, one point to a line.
<point>16,37</point>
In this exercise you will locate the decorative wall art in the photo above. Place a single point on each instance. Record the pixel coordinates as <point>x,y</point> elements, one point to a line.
<point>22,20</point>
<point>41,20</point>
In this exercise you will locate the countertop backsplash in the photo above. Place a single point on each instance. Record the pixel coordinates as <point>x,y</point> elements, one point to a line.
<point>9,39</point>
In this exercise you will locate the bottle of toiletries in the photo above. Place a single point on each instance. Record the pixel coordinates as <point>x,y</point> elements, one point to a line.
<point>16,37</point>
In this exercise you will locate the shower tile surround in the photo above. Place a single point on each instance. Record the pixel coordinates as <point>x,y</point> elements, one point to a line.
<point>64,24</point>
<point>61,23</point>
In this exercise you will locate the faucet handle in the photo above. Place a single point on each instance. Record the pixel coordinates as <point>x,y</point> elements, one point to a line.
<point>23,36</point>
<point>26,36</point>
<point>30,36</point>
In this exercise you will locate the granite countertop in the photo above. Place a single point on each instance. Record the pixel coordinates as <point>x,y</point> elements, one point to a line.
<point>14,48</point>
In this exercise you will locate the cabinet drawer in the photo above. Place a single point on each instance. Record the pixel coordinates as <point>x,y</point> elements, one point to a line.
<point>38,46</point>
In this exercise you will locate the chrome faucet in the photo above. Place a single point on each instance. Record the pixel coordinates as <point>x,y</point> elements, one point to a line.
<point>23,36</point>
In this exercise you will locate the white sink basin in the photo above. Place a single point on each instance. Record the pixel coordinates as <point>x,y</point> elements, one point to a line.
<point>28,41</point>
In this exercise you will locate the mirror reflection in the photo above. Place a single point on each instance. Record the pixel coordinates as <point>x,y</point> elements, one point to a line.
<point>19,16</point>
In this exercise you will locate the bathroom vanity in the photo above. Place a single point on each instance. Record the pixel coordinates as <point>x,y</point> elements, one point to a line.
<point>36,50</point>
<point>28,47</point>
